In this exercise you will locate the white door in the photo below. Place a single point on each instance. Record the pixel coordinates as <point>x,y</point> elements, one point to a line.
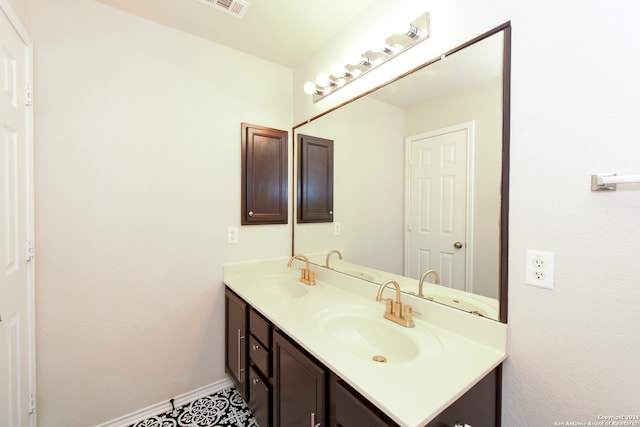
<point>16,227</point>
<point>437,204</point>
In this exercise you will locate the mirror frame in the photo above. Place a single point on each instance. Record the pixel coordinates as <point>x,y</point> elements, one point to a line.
<point>503,290</point>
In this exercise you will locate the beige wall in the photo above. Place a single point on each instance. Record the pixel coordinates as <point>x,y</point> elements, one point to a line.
<point>137,177</point>
<point>574,112</point>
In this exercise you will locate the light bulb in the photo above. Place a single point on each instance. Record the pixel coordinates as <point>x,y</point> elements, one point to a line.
<point>402,28</point>
<point>354,57</point>
<point>337,70</point>
<point>309,88</point>
<point>322,79</point>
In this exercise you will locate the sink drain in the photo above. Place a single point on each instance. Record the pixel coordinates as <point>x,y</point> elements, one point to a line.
<point>380,359</point>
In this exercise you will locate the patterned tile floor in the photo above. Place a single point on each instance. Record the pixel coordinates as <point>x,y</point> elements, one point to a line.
<point>225,408</point>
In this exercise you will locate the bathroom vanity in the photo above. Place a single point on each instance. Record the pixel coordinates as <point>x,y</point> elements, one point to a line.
<point>346,351</point>
<point>324,355</point>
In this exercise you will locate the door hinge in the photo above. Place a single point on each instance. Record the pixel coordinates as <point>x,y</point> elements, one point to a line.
<point>32,403</point>
<point>28,96</point>
<point>31,251</point>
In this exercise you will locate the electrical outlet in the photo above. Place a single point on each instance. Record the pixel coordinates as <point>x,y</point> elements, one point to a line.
<point>232,235</point>
<point>539,269</point>
<point>336,229</point>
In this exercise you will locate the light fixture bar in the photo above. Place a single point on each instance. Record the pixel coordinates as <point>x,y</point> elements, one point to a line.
<point>341,75</point>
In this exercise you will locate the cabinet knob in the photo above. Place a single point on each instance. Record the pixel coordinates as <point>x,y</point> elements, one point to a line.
<point>250,213</point>
<point>255,381</point>
<point>330,212</point>
<point>459,424</point>
<point>256,347</point>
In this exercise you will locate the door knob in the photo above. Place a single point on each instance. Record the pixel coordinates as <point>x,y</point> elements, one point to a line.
<point>457,245</point>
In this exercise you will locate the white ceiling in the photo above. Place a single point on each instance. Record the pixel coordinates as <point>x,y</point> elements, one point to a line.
<point>281,31</point>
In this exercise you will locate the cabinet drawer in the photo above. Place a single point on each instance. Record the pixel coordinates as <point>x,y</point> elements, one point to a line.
<point>260,328</point>
<point>260,356</point>
<point>259,398</point>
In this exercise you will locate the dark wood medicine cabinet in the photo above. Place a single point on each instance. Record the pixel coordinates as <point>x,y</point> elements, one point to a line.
<point>315,179</point>
<point>264,183</point>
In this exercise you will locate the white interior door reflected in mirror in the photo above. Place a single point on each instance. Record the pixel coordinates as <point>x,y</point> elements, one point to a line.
<point>437,204</point>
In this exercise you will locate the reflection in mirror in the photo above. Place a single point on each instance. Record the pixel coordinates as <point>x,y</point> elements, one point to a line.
<point>420,179</point>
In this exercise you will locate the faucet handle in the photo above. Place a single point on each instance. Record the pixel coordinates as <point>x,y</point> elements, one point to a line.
<point>407,312</point>
<point>312,277</point>
<point>389,305</point>
<point>307,276</point>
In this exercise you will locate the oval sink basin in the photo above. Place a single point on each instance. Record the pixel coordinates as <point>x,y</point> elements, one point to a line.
<point>370,337</point>
<point>281,288</point>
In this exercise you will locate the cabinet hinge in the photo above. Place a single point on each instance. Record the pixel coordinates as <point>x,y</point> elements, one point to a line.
<point>31,251</point>
<point>32,403</point>
<point>28,96</point>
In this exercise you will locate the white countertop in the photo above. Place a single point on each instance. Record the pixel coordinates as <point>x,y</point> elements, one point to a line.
<point>450,350</point>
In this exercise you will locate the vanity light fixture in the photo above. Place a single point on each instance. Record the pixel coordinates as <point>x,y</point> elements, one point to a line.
<point>358,64</point>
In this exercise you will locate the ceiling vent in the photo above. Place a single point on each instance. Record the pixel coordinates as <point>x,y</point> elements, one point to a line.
<point>236,8</point>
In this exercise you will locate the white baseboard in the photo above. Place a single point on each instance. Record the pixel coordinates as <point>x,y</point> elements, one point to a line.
<point>165,406</point>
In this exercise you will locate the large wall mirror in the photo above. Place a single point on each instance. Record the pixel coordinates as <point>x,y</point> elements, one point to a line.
<point>421,180</point>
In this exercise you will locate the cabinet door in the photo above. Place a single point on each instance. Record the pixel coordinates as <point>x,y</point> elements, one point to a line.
<point>236,342</point>
<point>264,175</point>
<point>349,409</point>
<point>299,386</point>
<point>315,179</point>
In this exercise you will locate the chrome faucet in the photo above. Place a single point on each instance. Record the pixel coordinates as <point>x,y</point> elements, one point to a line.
<point>423,276</point>
<point>307,276</point>
<point>335,251</point>
<point>395,311</point>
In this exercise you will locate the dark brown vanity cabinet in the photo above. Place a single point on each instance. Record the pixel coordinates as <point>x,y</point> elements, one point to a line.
<point>350,409</point>
<point>285,386</point>
<point>300,386</point>
<point>248,356</point>
<point>260,372</point>
<point>235,341</point>
<point>478,407</point>
<point>282,384</point>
